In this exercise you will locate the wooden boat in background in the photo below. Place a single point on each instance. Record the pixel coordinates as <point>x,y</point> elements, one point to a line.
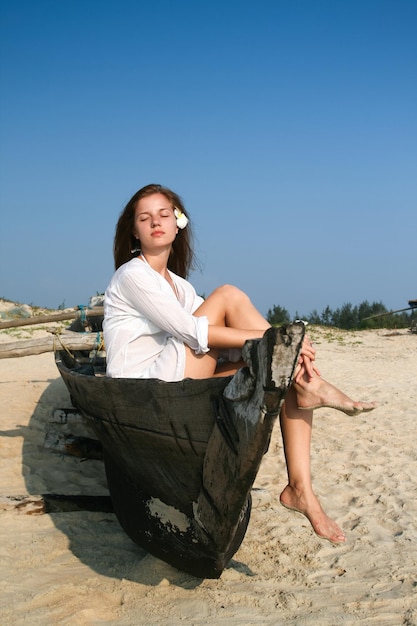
<point>181,457</point>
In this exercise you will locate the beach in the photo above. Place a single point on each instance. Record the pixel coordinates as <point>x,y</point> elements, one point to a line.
<point>79,567</point>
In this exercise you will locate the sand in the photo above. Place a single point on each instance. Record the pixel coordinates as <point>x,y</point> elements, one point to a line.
<point>80,568</point>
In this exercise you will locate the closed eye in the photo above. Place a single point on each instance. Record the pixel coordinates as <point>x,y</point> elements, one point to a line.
<point>164,213</point>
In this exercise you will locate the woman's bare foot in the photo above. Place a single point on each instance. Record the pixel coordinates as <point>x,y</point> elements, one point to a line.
<point>323,526</point>
<point>317,393</point>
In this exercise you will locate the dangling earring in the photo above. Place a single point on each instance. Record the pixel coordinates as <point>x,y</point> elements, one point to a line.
<point>136,247</point>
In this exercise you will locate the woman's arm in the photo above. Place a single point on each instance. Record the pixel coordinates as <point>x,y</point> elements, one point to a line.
<point>152,299</point>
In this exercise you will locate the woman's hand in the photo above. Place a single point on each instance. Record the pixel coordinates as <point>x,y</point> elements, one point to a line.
<point>306,360</point>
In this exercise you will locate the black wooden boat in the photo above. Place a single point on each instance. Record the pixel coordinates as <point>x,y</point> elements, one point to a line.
<point>181,457</point>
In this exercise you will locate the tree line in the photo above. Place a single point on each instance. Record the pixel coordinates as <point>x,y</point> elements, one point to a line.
<point>348,316</point>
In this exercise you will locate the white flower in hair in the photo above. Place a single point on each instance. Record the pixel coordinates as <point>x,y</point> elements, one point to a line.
<point>182,219</point>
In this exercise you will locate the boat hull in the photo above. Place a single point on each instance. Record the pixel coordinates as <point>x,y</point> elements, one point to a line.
<point>181,457</point>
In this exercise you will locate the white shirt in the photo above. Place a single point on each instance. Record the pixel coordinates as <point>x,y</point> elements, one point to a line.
<point>146,326</point>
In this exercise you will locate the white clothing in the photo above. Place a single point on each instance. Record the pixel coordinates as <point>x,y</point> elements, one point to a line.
<point>146,327</point>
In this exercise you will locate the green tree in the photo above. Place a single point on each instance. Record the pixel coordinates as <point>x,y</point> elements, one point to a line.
<point>327,316</point>
<point>346,316</point>
<point>278,315</point>
<point>366,310</point>
<point>313,318</point>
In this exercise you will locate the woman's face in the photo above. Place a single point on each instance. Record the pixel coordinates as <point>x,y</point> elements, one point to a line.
<point>154,224</point>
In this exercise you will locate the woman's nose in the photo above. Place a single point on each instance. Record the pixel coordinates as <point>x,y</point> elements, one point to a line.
<point>155,221</point>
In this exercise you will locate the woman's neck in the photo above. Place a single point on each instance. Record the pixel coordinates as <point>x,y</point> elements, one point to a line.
<point>162,269</point>
<point>158,262</point>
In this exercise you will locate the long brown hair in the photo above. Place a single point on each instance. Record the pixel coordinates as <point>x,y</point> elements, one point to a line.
<point>126,246</point>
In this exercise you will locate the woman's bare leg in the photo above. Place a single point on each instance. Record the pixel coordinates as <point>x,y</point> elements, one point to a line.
<point>229,306</point>
<point>226,306</point>
<point>298,495</point>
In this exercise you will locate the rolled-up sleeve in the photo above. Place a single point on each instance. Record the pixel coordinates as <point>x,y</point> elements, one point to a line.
<point>202,335</point>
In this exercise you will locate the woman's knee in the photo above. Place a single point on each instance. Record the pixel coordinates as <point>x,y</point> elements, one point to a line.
<point>232,294</point>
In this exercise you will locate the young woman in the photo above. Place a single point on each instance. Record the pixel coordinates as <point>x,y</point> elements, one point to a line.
<point>155,326</point>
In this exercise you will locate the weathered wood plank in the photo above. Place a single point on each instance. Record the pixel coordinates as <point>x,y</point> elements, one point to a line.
<point>55,503</point>
<point>66,416</point>
<point>53,317</point>
<point>29,347</point>
<point>81,447</point>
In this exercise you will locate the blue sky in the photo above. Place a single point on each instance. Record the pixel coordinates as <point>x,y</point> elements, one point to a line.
<point>289,129</point>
